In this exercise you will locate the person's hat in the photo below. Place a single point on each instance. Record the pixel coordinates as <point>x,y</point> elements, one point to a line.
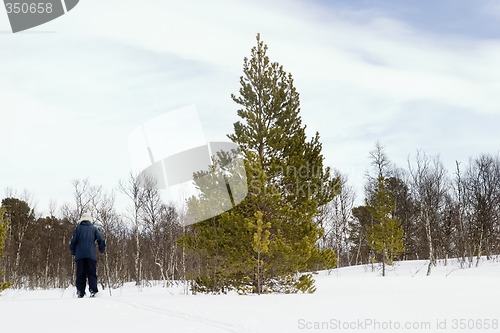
<point>86,217</point>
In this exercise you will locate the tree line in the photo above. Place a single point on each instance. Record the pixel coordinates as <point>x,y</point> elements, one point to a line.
<point>140,247</point>
<point>436,213</point>
<point>442,215</point>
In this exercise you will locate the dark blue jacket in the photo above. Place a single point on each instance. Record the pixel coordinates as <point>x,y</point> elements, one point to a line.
<point>83,242</point>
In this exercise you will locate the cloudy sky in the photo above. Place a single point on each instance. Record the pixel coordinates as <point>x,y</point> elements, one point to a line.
<point>413,75</point>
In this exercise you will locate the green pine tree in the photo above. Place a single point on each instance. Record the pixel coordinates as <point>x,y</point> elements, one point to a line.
<point>287,182</point>
<point>385,236</point>
<point>3,234</point>
<point>271,129</point>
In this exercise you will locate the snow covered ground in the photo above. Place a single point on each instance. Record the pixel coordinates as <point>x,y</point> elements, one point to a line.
<point>353,299</point>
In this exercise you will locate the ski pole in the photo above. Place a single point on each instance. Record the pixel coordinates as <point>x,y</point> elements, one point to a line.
<point>107,271</point>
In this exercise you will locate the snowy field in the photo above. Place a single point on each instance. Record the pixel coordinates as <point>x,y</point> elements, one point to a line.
<point>353,299</point>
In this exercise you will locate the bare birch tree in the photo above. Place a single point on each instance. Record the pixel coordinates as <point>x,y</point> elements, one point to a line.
<point>429,186</point>
<point>335,218</point>
<point>133,189</point>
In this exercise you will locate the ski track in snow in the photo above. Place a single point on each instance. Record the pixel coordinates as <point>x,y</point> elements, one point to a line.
<point>228,327</point>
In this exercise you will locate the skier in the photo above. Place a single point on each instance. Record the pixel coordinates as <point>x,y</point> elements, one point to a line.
<point>82,246</point>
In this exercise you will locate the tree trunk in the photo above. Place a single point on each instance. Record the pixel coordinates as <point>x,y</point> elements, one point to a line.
<point>17,263</point>
<point>479,248</point>
<point>384,260</point>
<point>137,259</point>
<point>429,268</point>
<point>258,274</point>
<point>432,260</point>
